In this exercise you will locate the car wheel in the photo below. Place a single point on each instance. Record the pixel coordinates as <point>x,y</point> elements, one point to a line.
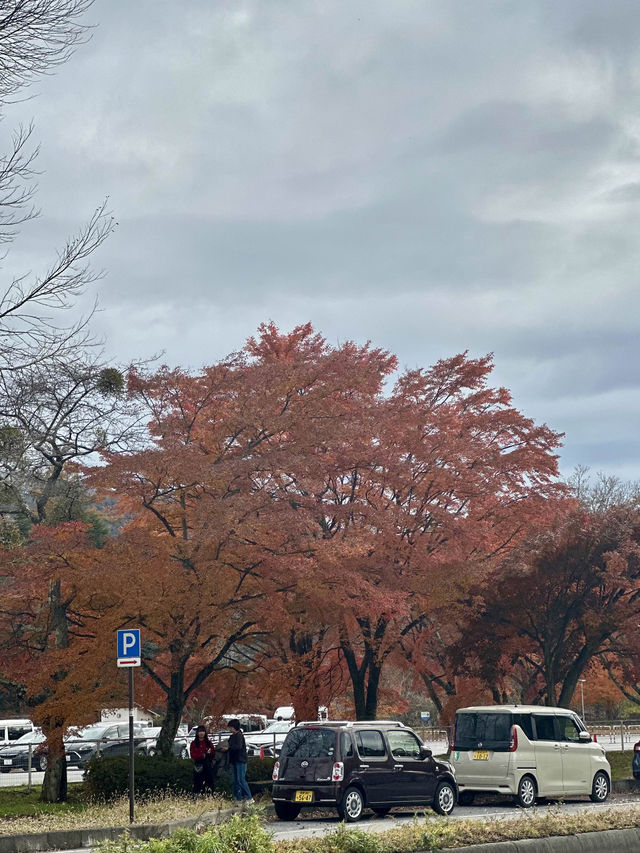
<point>151,751</point>
<point>184,753</point>
<point>466,798</point>
<point>286,811</point>
<point>600,788</point>
<point>352,805</point>
<point>444,800</point>
<point>382,812</point>
<point>527,792</point>
<point>42,763</point>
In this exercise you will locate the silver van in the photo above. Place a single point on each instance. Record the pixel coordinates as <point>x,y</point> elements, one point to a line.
<point>527,751</point>
<point>11,730</point>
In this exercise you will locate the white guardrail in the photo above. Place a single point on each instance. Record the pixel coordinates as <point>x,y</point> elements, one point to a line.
<point>25,764</point>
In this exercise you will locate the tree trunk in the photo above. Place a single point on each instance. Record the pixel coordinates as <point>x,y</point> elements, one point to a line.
<point>365,680</point>
<point>357,675</point>
<point>373,683</point>
<point>175,707</point>
<point>54,785</point>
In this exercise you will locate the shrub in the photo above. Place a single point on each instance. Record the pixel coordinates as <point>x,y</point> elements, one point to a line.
<point>259,769</point>
<point>108,778</point>
<point>244,834</point>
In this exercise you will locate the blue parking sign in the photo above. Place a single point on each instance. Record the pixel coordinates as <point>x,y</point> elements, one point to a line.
<point>129,647</point>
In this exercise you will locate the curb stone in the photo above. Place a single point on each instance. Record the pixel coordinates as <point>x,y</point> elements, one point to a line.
<point>609,841</point>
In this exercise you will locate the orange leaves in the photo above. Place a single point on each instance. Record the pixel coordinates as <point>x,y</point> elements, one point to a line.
<point>284,500</point>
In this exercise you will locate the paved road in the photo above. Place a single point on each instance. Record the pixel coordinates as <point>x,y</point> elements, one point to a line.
<point>19,777</point>
<point>307,825</point>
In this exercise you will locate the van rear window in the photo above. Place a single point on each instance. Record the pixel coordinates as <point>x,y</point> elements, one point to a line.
<point>489,731</point>
<point>309,743</point>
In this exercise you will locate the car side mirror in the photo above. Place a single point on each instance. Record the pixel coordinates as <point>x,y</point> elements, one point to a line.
<point>584,737</point>
<point>425,752</point>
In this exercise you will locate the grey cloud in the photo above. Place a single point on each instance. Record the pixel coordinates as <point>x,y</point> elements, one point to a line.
<point>434,176</point>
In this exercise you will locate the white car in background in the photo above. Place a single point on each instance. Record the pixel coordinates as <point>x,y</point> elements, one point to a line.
<point>269,741</point>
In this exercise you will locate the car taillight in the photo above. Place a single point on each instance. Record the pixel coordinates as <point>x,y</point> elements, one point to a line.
<point>337,774</point>
<point>262,752</point>
<point>513,745</point>
<point>276,769</point>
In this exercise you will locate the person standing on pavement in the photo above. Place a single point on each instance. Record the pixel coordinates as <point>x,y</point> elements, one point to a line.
<point>238,762</point>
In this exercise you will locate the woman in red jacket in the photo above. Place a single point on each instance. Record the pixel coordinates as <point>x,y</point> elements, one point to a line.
<point>202,752</point>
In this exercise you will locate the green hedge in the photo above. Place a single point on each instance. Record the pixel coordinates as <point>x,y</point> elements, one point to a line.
<point>108,778</point>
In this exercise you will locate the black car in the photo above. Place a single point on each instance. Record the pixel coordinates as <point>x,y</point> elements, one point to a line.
<point>16,755</point>
<point>102,739</point>
<point>353,765</point>
<point>149,744</point>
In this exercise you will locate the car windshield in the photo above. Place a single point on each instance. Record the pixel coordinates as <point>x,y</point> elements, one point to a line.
<point>31,737</point>
<point>90,733</point>
<point>276,728</point>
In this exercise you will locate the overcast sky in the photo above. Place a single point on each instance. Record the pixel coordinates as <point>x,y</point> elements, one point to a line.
<point>432,175</point>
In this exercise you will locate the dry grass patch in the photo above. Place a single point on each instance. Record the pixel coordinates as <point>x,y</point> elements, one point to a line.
<point>93,815</point>
<point>436,833</point>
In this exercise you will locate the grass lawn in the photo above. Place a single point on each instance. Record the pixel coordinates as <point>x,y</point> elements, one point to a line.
<point>620,765</point>
<point>22,802</point>
<point>22,812</point>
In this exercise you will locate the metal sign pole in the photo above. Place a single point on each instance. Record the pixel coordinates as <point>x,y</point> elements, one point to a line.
<point>131,762</point>
<point>130,655</point>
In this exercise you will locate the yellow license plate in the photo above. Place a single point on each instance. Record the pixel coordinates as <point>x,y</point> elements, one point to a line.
<point>481,755</point>
<point>304,797</point>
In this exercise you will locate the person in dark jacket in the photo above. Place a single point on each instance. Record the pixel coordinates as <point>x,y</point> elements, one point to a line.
<point>238,762</point>
<point>202,752</point>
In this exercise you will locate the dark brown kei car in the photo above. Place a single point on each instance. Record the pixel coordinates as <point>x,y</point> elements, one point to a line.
<point>350,766</point>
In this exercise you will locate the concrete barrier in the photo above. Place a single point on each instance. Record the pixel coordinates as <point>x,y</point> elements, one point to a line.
<point>611,841</point>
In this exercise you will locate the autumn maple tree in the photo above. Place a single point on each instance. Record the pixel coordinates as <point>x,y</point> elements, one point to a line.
<point>568,597</point>
<point>219,536</point>
<point>443,474</point>
<point>55,596</point>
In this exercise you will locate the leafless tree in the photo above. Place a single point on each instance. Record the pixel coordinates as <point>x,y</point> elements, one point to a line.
<point>35,37</point>
<point>602,491</point>
<point>58,400</point>
<point>54,413</point>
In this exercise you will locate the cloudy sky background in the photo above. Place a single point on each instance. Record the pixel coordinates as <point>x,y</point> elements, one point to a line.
<point>433,175</point>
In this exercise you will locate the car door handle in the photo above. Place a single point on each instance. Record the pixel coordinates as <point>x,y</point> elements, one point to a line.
<point>364,767</point>
<point>556,746</point>
<point>398,766</point>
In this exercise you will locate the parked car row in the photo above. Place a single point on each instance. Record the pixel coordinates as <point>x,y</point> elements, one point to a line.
<point>529,752</point>
<point>81,745</point>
